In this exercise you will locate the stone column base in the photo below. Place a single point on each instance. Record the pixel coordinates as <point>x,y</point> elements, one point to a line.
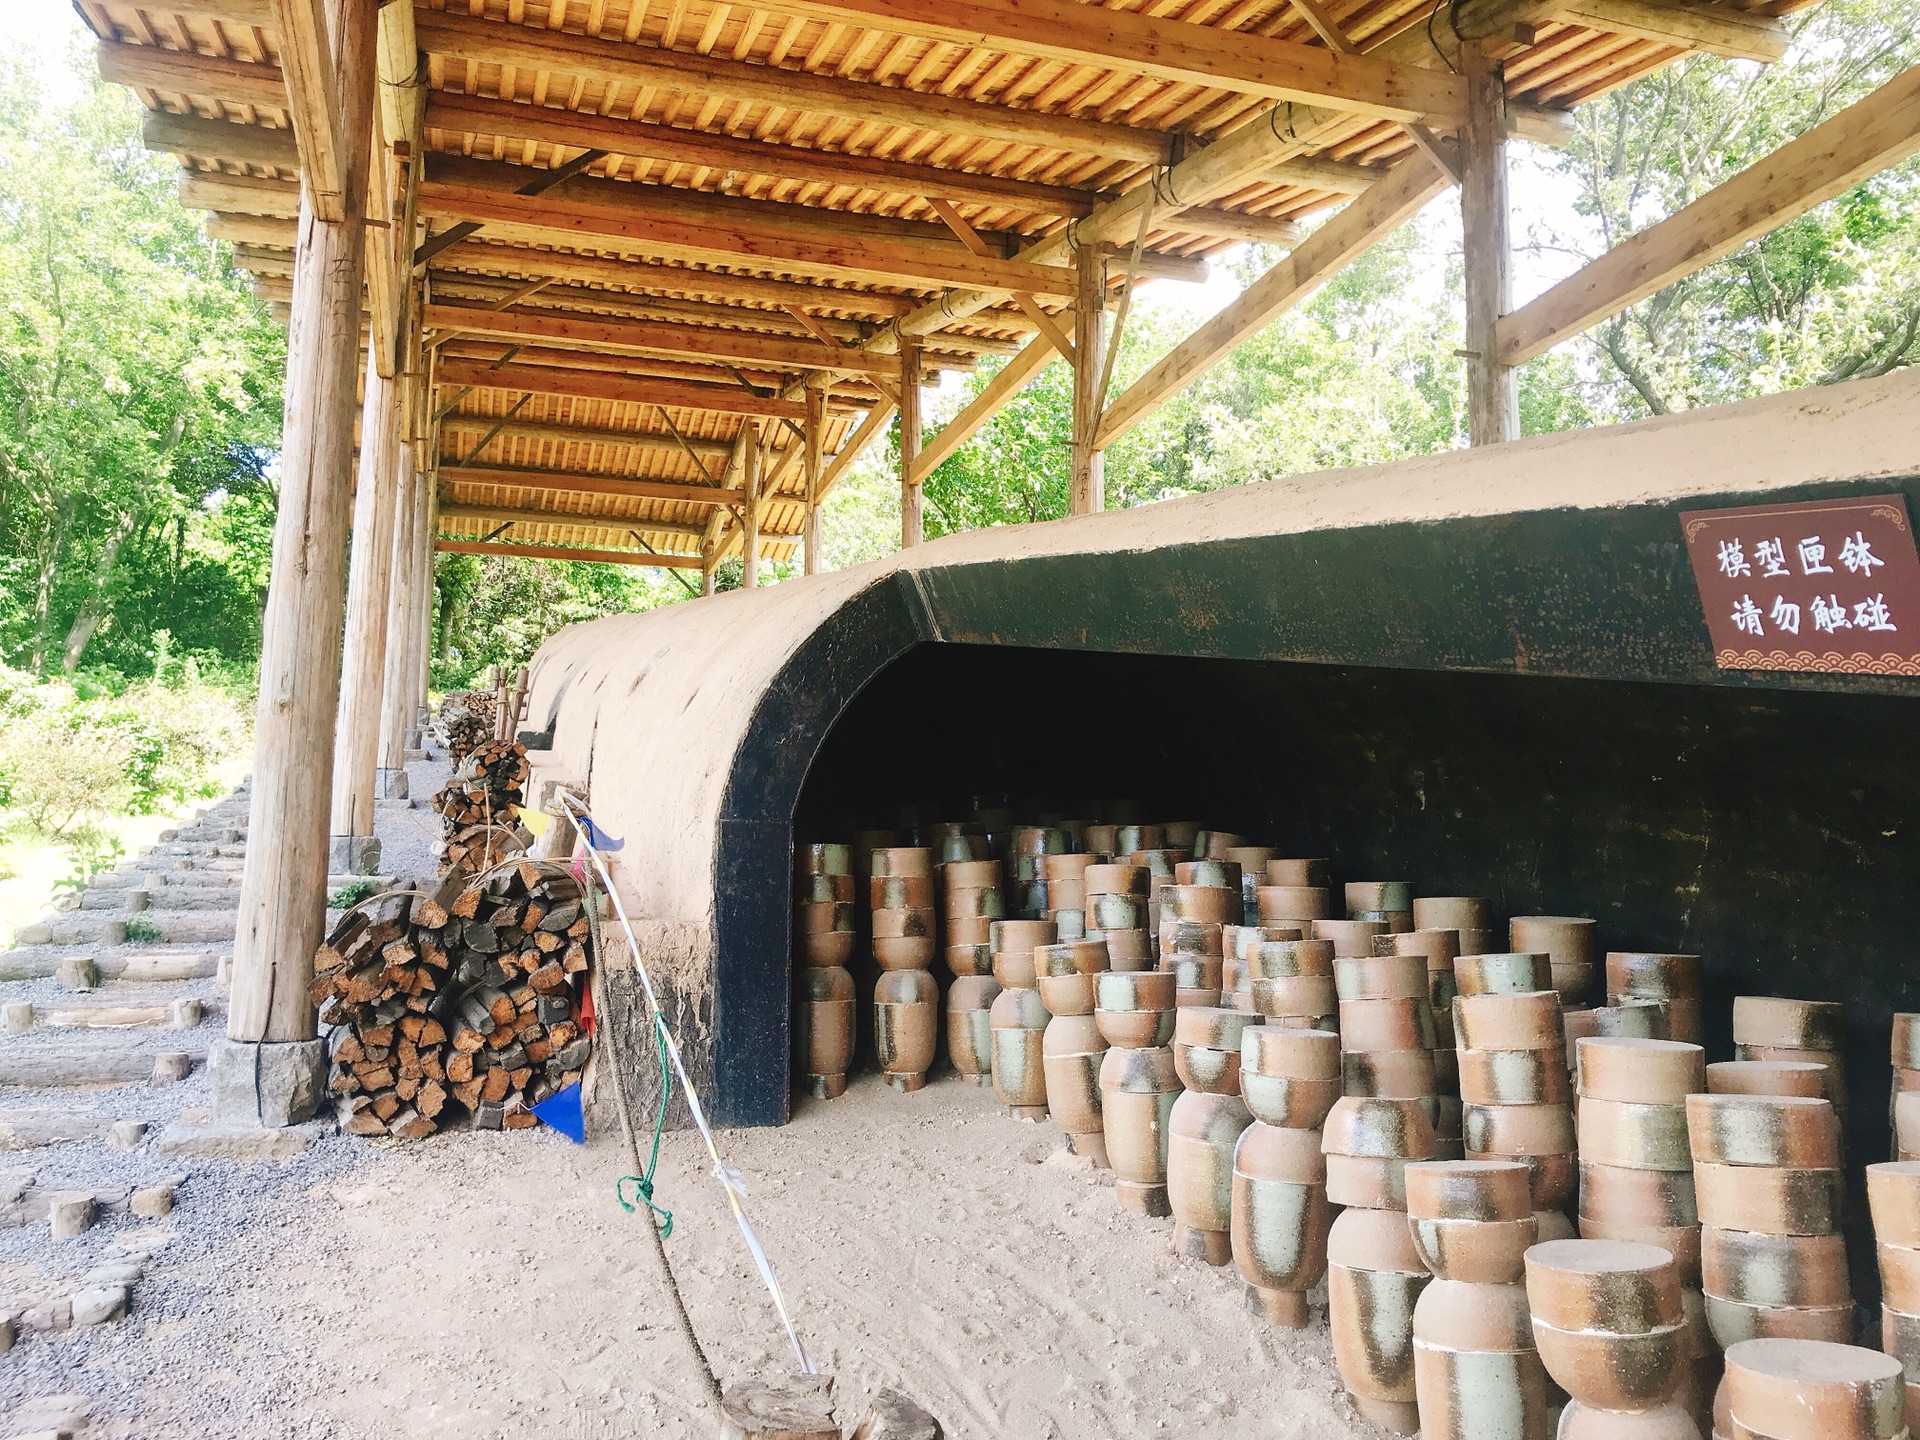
<point>353,855</point>
<point>412,739</point>
<point>390,784</point>
<point>267,1083</point>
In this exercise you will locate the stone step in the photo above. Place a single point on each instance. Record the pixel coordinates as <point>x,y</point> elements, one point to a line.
<point>92,1059</point>
<point>227,879</point>
<point>204,835</point>
<point>19,1016</point>
<point>186,897</point>
<point>129,879</point>
<point>113,899</point>
<point>145,966</point>
<point>177,848</point>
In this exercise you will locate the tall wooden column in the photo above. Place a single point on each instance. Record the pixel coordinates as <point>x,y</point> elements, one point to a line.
<point>396,686</point>
<point>352,847</point>
<point>750,509</point>
<point>810,463</point>
<point>909,440</point>
<point>283,890</point>
<point>1086,474</point>
<point>420,656</point>
<point>1493,391</point>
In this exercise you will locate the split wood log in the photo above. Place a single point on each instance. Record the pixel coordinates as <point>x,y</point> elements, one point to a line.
<point>799,1407</point>
<point>476,807</point>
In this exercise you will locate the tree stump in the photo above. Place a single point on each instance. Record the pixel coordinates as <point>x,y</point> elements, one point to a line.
<point>798,1407</point>
<point>894,1417</point>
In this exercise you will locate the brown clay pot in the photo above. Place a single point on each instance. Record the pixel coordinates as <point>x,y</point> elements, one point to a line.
<point>1806,1390</point>
<point>1405,1024</point>
<point>1893,1200</point>
<point>1439,948</point>
<point>1368,1143</point>
<point>1206,1048</point>
<point>1528,1021</point>
<point>906,1026</point>
<point>1019,1024</point>
<point>970,1027</point>
<point>1064,975</point>
<point>1452,912</point>
<point>1282,871</point>
<point>1756,1269</point>
<point>1767,1077</point>
<point>1306,1001</point>
<point>1391,1074</point>
<point>1513,1077</point>
<point>1767,1200</point>
<point>1280,1217</point>
<point>1381,977</point>
<point>1608,1321</point>
<point>901,892</point>
<point>1138,1088</point>
<point>1071,1050</point>
<point>1507,973</point>
<point>826,859</point>
<point>1215,873</point>
<point>1374,1280</point>
<point>970,959</point>
<point>1207,904</point>
<point>1014,942</point>
<point>1671,1421</point>
<point>1733,1321</point>
<point>1353,938</point>
<point>1641,1072</point>
<point>1116,879</point>
<point>1197,978</point>
<point>1672,979</point>
<point>1633,1137</point>
<point>985,903</point>
<point>828,1021</point>
<point>1796,1024</point>
<point>1289,1078</point>
<point>1569,944</point>
<point>901,860</point>
<point>1202,1132</point>
<point>1781,1131</point>
<point>828,947</point>
<point>1292,904</point>
<point>1135,1008</point>
<point>1475,1370</point>
<point>975,874</point>
<point>1541,1136</point>
<point>1472,1220</point>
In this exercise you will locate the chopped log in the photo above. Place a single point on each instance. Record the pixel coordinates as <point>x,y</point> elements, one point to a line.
<point>799,1408</point>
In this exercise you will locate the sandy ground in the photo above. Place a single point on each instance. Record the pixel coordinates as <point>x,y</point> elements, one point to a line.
<point>489,1285</point>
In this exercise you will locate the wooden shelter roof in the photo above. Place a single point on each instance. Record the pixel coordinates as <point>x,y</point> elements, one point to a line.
<point>645,225</point>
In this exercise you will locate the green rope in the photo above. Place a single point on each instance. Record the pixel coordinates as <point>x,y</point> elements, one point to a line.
<point>643,1184</point>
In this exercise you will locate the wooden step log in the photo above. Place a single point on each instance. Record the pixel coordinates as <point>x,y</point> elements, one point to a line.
<point>38,962</point>
<point>89,1060</point>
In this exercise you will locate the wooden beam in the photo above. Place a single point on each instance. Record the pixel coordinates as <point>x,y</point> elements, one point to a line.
<point>1320,256</point>
<point>635,275</point>
<point>1086,466</point>
<point>251,13</point>
<point>575,435</point>
<point>702,342</point>
<point>222,140</point>
<point>910,397</point>
<point>240,194</point>
<point>1336,177</point>
<point>626,66</point>
<point>185,73</point>
<point>1236,225</point>
<point>646,559</point>
<point>313,102</point>
<point>667,223</point>
<point>264,230</point>
<point>453,512</point>
<point>810,475</point>
<point>1134,42</point>
<point>1717,29</point>
<point>622,389</point>
<point>551,294</point>
<point>1837,154</point>
<point>1493,392</point>
<point>1004,385</point>
<point>507,119</point>
<point>581,483</point>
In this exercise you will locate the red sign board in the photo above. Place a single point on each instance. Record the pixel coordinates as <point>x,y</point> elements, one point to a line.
<point>1825,585</point>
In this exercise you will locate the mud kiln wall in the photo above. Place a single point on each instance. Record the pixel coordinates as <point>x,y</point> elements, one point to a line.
<point>1486,671</point>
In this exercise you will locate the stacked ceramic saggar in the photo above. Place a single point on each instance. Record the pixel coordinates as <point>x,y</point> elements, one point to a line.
<point>1253,861</point>
<point>1352,939</point>
<point>1672,980</point>
<point>1610,1328</point>
<point>1290,983</point>
<point>1766,1174</point>
<point>1469,916</point>
<point>1636,1172</point>
<point>1904,1112</point>
<point>1567,941</point>
<point>1072,1047</point>
<point>1192,917</point>
<point>1065,875</point>
<point>1026,877</point>
<point>972,900</point>
<point>823,922</point>
<point>1387,1032</point>
<point>906,998</point>
<point>1768,1028</point>
<point>1501,974</point>
<point>1634,1020</point>
<point>1117,913</point>
<point>1514,1093</point>
<point>1280,1212</point>
<point>1374,1272</point>
<point>1204,1128</point>
<point>1236,979</point>
<point>1767,1077</point>
<point>1295,894</point>
<point>1438,949</point>
<point>1159,867</point>
<point>1474,1364</point>
<point>1893,1199</point>
<point>1134,1010</point>
<point>1811,1390</point>
<point>1018,1018</point>
<point>1388,901</point>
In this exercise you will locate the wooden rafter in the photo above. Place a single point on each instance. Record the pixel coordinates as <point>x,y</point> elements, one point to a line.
<point>1717,29</point>
<point>220,140</point>
<point>655,559</point>
<point>458,512</point>
<point>1320,256</point>
<point>626,389</point>
<point>868,431</point>
<point>1835,155</point>
<point>582,483</point>
<point>1004,385</point>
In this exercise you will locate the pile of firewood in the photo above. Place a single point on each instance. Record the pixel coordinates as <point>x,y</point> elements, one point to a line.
<point>462,1002</point>
<point>467,717</point>
<point>478,827</point>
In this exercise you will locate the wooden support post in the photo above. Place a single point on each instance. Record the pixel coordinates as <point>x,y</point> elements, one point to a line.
<point>750,511</point>
<point>909,440</point>
<point>352,848</point>
<point>1086,476</point>
<point>1493,391</point>
<point>420,656</point>
<point>816,418</point>
<point>282,906</point>
<point>396,688</point>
